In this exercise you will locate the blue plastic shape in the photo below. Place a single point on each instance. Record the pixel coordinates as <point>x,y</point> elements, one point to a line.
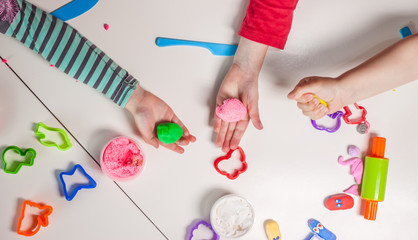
<point>405,32</point>
<point>71,194</point>
<point>74,9</point>
<point>313,236</point>
<point>218,49</point>
<point>319,229</point>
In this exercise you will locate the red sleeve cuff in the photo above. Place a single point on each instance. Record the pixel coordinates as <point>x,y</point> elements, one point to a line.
<point>264,38</point>
<point>268,21</point>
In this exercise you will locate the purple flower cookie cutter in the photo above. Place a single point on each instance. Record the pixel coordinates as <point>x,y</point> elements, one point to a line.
<point>337,115</point>
<point>206,224</point>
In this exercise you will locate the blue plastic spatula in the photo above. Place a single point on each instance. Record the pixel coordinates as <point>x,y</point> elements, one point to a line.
<point>218,49</point>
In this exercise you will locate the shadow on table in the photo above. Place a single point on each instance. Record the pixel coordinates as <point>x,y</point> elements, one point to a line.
<point>17,215</point>
<point>209,199</point>
<point>206,204</point>
<point>99,140</point>
<point>1,152</point>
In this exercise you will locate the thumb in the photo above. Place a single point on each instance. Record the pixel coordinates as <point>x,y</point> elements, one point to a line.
<point>149,138</point>
<point>254,114</point>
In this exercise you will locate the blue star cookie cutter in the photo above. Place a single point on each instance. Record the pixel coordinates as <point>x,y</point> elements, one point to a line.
<point>69,195</point>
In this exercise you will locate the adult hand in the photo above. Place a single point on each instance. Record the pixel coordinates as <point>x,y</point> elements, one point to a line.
<point>148,111</point>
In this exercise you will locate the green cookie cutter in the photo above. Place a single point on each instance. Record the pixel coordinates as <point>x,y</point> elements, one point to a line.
<point>27,162</point>
<point>169,132</point>
<point>63,147</point>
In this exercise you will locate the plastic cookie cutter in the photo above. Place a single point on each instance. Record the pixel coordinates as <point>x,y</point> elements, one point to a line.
<point>215,48</point>
<point>69,195</point>
<point>41,220</point>
<point>337,115</point>
<point>364,125</point>
<point>272,230</point>
<point>29,155</point>
<point>313,236</point>
<point>348,113</point>
<point>319,229</point>
<point>215,236</point>
<point>40,132</point>
<point>236,173</point>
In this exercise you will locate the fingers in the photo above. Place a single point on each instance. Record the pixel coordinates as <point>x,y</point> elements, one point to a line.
<point>228,136</point>
<point>221,134</point>
<point>313,109</point>
<point>174,147</point>
<point>238,133</point>
<point>186,134</point>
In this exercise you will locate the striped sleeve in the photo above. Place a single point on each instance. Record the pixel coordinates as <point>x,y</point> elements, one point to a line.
<point>65,48</point>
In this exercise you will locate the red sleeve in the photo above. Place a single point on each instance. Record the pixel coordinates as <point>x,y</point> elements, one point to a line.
<point>268,21</point>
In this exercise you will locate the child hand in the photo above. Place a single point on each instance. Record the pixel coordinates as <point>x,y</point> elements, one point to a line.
<point>327,89</point>
<point>244,86</point>
<point>148,111</point>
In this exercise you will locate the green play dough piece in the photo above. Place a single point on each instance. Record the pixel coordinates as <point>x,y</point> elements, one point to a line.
<point>169,132</point>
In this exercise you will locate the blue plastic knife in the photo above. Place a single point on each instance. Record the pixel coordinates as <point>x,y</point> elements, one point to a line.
<point>218,49</point>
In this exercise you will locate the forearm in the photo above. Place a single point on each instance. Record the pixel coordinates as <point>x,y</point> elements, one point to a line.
<point>250,56</point>
<point>66,49</point>
<point>393,67</point>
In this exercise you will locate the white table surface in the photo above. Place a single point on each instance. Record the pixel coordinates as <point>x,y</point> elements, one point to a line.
<point>292,167</point>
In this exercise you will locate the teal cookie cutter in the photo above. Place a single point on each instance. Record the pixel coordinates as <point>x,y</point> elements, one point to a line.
<point>63,135</point>
<point>16,167</point>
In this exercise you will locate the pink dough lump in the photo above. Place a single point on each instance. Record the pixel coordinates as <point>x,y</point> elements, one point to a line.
<point>232,110</point>
<point>122,159</point>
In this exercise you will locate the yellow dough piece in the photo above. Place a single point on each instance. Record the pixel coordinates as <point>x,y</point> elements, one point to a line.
<point>272,230</point>
<point>321,101</point>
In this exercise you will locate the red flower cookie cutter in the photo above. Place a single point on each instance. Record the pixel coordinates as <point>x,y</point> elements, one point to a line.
<point>41,220</point>
<point>348,114</point>
<point>236,173</point>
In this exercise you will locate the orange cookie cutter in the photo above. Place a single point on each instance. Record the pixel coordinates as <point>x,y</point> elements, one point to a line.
<point>236,173</point>
<point>41,220</point>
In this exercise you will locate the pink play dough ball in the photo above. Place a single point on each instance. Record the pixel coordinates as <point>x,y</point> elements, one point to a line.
<point>122,159</point>
<point>232,110</point>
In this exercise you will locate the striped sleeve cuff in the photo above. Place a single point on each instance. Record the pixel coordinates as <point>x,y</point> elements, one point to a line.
<point>65,48</point>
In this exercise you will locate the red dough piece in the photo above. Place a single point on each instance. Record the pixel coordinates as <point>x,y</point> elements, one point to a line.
<point>339,202</point>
